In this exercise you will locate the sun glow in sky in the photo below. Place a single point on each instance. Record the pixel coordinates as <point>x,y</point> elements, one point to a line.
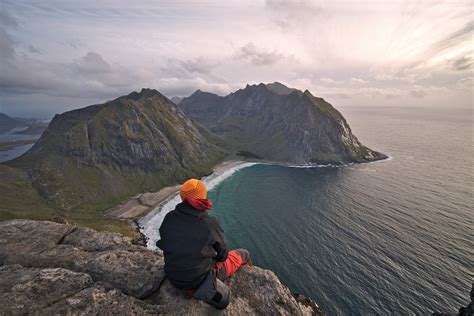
<point>59,55</point>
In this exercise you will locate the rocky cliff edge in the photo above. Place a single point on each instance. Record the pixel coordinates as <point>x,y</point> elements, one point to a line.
<point>50,268</point>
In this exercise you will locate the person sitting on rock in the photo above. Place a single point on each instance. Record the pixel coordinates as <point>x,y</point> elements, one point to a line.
<point>195,251</point>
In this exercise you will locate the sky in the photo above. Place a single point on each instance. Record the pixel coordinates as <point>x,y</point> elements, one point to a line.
<point>59,55</point>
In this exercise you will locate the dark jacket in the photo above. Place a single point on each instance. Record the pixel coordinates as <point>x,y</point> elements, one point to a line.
<point>189,240</point>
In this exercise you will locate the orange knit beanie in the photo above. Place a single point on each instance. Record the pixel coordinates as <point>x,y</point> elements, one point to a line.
<point>193,188</point>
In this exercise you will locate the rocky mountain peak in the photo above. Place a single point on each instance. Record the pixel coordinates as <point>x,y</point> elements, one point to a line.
<point>279,88</point>
<point>200,93</point>
<point>143,94</point>
<point>280,123</point>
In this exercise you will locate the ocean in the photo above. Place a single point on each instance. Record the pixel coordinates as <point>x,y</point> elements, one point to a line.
<point>390,237</point>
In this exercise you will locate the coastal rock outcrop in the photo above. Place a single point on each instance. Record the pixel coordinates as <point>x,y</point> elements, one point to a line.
<point>110,258</point>
<point>61,291</point>
<point>50,268</point>
<point>277,123</point>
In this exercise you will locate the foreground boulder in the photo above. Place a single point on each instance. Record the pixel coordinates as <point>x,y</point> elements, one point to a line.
<point>61,291</point>
<point>49,268</point>
<point>133,269</point>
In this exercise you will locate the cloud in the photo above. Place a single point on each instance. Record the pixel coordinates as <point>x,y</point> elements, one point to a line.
<point>32,49</point>
<point>342,95</point>
<point>257,56</point>
<point>199,65</point>
<point>288,14</point>
<point>7,20</point>
<point>93,77</point>
<point>466,83</point>
<point>331,81</point>
<point>391,96</point>
<point>189,68</point>
<point>76,52</point>
<point>462,63</point>
<point>357,81</point>
<point>92,63</point>
<point>74,43</point>
<point>356,92</point>
<point>418,93</point>
<point>405,74</point>
<point>7,46</point>
<point>89,76</point>
<point>461,35</point>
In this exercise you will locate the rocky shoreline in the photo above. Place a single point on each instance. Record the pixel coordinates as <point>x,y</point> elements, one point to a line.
<point>49,268</point>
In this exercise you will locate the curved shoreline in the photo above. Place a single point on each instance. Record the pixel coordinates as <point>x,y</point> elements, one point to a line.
<point>142,204</point>
<point>139,210</point>
<point>149,222</point>
<point>153,218</point>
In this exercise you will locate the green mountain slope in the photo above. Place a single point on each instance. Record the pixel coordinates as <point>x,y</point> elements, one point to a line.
<point>92,158</point>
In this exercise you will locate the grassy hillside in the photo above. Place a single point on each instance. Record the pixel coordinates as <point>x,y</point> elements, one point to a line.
<point>91,159</point>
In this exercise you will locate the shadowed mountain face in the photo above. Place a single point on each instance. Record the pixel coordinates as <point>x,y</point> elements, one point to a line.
<point>280,124</point>
<point>135,143</point>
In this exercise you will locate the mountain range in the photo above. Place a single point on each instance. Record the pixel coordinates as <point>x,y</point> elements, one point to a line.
<point>277,123</point>
<point>92,158</point>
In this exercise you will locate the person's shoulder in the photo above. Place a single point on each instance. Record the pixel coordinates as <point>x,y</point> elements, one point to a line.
<point>169,214</point>
<point>212,220</point>
<point>168,217</point>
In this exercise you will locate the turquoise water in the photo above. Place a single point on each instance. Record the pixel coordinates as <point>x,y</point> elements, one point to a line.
<point>387,237</point>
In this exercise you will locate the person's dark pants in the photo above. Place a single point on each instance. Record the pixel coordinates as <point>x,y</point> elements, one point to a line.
<point>213,291</point>
<point>235,259</point>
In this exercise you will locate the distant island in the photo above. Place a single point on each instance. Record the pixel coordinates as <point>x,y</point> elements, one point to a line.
<point>91,159</point>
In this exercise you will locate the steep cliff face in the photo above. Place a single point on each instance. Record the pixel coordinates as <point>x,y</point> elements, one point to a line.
<point>280,124</point>
<point>48,268</point>
<point>136,143</point>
